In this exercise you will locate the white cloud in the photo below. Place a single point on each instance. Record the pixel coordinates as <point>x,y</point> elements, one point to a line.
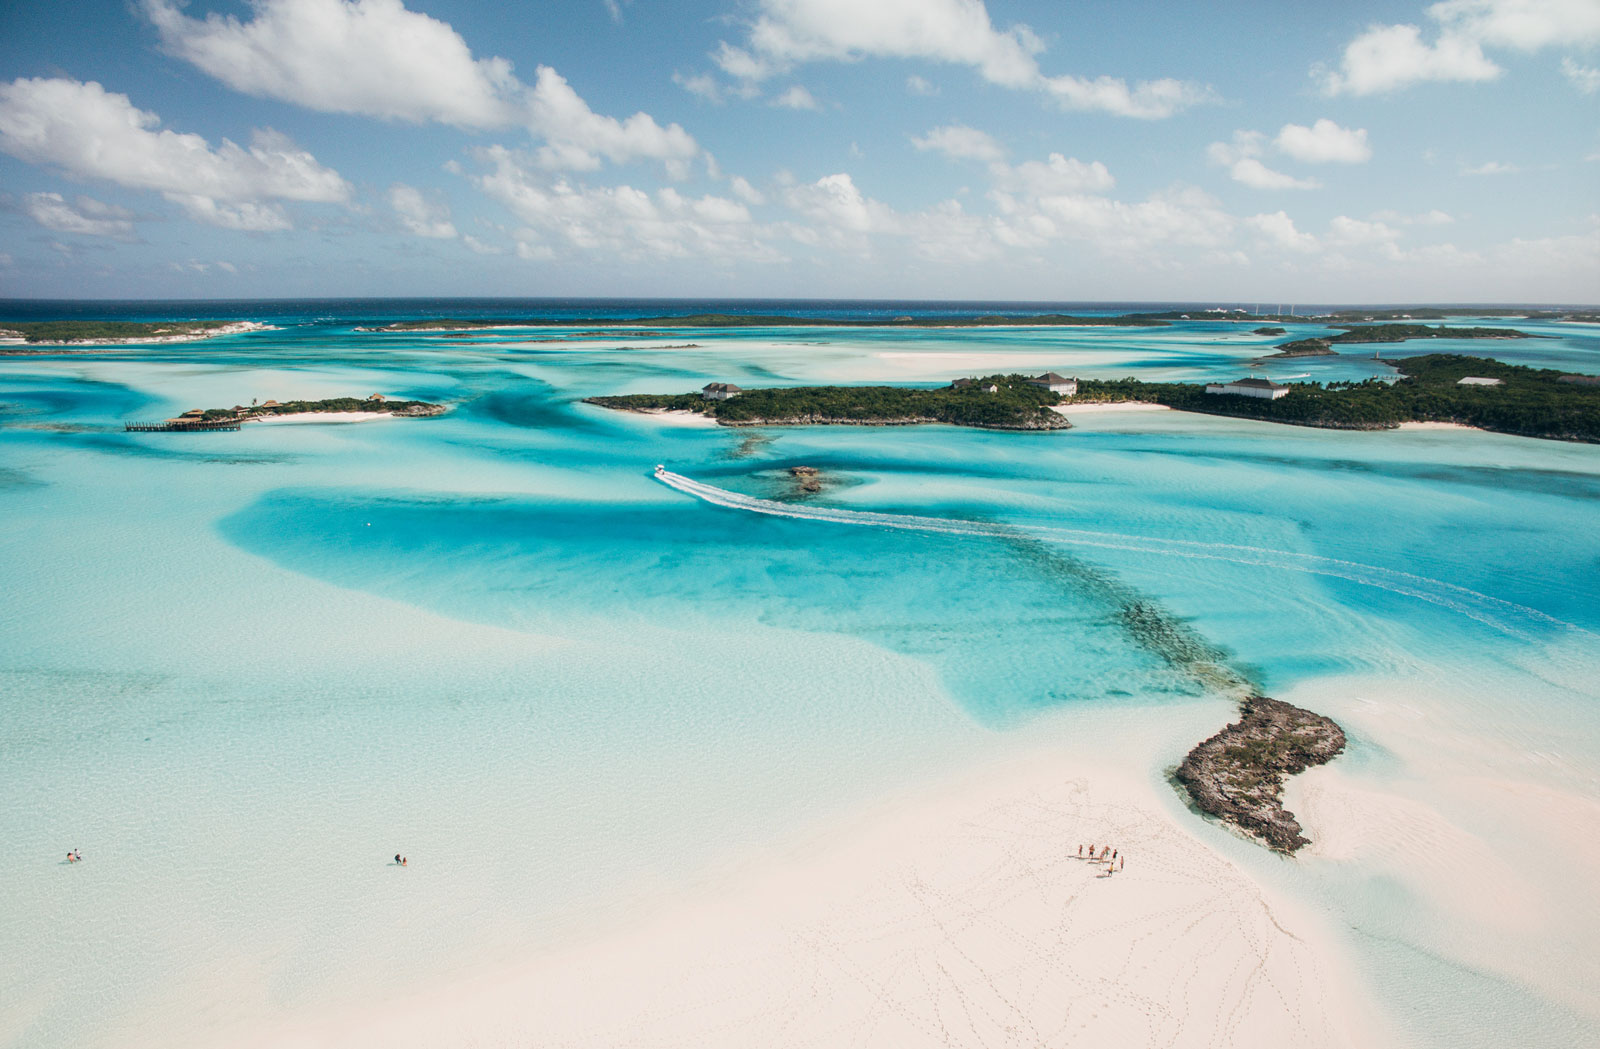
<point>614,9</point>
<point>371,57</point>
<point>1388,57</point>
<point>788,32</point>
<point>745,191</point>
<point>1278,229</point>
<point>1055,176</point>
<point>1385,58</point>
<point>479,246</point>
<point>376,58</point>
<point>1242,159</point>
<point>89,132</point>
<point>1435,217</point>
<point>1147,100</point>
<point>1345,230</point>
<point>87,216</point>
<point>960,142</point>
<point>835,201</point>
<point>1324,143</point>
<point>921,86</point>
<point>1524,25</point>
<point>1585,78</point>
<point>577,137</point>
<point>617,220</point>
<point>701,85</point>
<point>420,215</point>
<point>796,97</point>
<point>1492,167</point>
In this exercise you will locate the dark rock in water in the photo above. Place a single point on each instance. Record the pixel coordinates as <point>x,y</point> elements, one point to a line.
<point>1237,775</point>
<point>807,478</point>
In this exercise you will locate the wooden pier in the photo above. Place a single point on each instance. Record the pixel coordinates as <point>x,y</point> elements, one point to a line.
<point>183,427</point>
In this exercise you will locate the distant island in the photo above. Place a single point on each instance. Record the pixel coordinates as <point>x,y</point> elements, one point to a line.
<point>233,418</point>
<point>116,333</point>
<point>998,402</point>
<point>1322,345</point>
<point>740,320</point>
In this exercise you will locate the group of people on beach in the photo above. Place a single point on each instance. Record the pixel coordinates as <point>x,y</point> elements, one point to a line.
<point>74,856</point>
<point>399,860</point>
<point>1113,859</point>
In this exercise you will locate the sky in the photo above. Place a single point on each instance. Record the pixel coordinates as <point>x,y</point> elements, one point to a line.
<point>1375,151</point>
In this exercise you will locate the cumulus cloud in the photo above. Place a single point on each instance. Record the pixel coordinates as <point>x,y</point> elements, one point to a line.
<point>788,32</point>
<point>419,215</point>
<point>617,220</point>
<point>1147,100</point>
<point>86,215</point>
<point>745,191</point>
<point>921,86</point>
<point>1492,167</point>
<point>376,58</point>
<point>960,142</point>
<point>371,57</point>
<point>701,85</point>
<point>1278,229</point>
<point>1585,78</point>
<point>1242,158</point>
<point>1054,176</point>
<point>1388,57</point>
<point>577,137</point>
<point>796,97</point>
<point>1324,143</point>
<point>89,132</point>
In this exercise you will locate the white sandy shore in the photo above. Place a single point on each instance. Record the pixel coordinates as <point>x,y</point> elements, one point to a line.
<point>1114,406</point>
<point>1435,426</point>
<point>324,417</point>
<point>961,918</point>
<point>190,336</point>
<point>674,417</point>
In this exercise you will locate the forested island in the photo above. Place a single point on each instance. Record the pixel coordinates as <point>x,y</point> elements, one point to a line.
<point>110,333</point>
<point>1322,345</point>
<point>1014,405</point>
<point>1528,402</point>
<point>742,320</point>
<point>233,418</point>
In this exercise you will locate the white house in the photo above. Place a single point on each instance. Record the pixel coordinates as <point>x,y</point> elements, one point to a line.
<point>1055,383</point>
<point>981,385</point>
<point>1264,388</point>
<point>720,391</point>
<point>1474,380</point>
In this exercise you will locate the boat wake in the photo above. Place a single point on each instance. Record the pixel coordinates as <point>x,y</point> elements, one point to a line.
<point>1518,621</point>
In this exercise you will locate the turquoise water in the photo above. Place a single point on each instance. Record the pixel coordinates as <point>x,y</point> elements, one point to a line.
<point>241,669</point>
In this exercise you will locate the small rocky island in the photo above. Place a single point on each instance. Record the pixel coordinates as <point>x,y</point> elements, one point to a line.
<point>117,333</point>
<point>1322,345</point>
<point>1237,775</point>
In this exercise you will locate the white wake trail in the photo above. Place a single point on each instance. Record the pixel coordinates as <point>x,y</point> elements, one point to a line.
<point>1510,618</point>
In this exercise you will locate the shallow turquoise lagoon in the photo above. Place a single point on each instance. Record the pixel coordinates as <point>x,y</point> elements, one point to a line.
<point>239,670</point>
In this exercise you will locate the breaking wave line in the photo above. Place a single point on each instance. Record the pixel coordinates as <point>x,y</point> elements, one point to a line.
<point>1518,621</point>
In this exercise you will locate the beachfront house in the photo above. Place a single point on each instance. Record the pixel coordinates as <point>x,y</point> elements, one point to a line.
<point>376,397</point>
<point>981,385</point>
<point>1474,380</point>
<point>720,391</point>
<point>1055,383</point>
<point>1263,388</point>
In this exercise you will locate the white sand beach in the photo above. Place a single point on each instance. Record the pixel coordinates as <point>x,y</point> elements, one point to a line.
<point>1113,406</point>
<point>324,417</point>
<point>963,916</point>
<point>1435,426</point>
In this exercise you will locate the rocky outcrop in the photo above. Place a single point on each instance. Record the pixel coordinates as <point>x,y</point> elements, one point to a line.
<point>1237,775</point>
<point>807,479</point>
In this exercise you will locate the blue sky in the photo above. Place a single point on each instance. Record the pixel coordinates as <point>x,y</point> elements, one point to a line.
<point>1372,152</point>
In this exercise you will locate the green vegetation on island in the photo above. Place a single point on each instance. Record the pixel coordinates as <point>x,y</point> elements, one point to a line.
<point>1015,405</point>
<point>232,418</point>
<point>1322,345</point>
<point>117,331</point>
<point>741,320</point>
<point>1529,402</point>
